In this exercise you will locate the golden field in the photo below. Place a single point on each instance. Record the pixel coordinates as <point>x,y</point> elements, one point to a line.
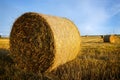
<point>4,43</point>
<point>97,61</point>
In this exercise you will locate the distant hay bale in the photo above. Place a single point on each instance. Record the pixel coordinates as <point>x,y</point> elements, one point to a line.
<point>109,38</point>
<point>40,43</point>
<point>102,36</point>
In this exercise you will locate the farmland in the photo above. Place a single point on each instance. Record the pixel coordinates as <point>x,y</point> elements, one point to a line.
<point>4,43</point>
<point>96,61</point>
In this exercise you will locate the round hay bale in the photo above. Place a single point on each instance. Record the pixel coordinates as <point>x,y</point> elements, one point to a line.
<point>40,43</point>
<point>109,38</point>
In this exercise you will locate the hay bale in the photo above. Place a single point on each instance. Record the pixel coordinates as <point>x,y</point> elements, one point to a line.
<point>109,38</point>
<point>102,36</point>
<point>40,43</point>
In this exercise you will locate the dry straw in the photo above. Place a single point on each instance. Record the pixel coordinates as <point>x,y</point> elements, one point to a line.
<point>110,38</point>
<point>40,43</point>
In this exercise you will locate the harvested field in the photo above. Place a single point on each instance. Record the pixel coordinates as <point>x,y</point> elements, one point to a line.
<point>4,43</point>
<point>97,61</point>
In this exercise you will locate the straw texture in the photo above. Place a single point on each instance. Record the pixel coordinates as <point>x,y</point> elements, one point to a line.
<point>40,43</point>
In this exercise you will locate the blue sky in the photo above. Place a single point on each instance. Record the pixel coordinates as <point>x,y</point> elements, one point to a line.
<point>92,17</point>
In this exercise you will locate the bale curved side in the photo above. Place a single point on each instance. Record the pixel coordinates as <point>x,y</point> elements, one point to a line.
<point>40,43</point>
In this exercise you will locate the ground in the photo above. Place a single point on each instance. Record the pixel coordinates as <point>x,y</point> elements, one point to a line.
<point>96,61</point>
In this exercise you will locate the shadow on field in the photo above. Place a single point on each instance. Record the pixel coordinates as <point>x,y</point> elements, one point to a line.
<point>5,51</point>
<point>4,56</point>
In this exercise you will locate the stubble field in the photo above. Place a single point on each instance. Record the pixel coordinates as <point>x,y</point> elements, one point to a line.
<point>96,61</point>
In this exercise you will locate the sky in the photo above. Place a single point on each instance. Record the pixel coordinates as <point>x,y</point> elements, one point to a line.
<point>92,17</point>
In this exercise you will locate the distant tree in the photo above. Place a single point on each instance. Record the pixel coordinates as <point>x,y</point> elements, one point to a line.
<point>0,36</point>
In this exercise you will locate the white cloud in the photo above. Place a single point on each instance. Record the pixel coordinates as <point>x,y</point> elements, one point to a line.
<point>94,15</point>
<point>114,10</point>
